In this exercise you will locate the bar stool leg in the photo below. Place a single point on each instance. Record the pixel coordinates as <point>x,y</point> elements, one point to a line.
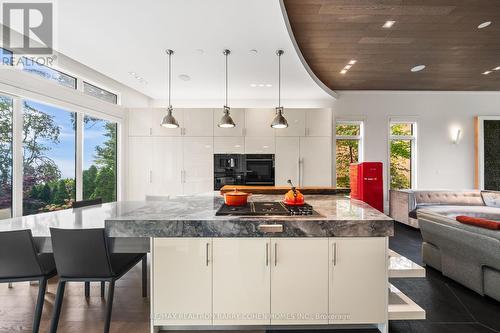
<point>57,306</point>
<point>87,289</point>
<point>10,285</point>
<point>103,288</point>
<point>109,308</point>
<point>42,286</point>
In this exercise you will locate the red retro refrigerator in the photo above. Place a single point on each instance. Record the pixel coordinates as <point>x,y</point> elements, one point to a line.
<point>367,183</point>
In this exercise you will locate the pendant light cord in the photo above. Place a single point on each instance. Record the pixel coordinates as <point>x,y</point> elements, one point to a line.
<point>279,53</point>
<point>226,54</point>
<point>169,77</point>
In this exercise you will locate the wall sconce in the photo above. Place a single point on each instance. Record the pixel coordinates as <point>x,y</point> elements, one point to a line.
<point>456,133</point>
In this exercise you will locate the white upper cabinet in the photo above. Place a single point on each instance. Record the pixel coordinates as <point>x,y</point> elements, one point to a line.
<point>197,122</point>
<point>296,119</point>
<point>166,167</point>
<point>157,117</point>
<point>318,122</point>
<point>198,173</point>
<point>316,161</point>
<point>229,145</point>
<point>287,160</point>
<point>139,122</point>
<point>238,116</point>
<point>260,145</point>
<point>258,122</point>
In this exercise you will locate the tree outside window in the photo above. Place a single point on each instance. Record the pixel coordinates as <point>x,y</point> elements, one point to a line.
<point>5,157</point>
<point>348,145</point>
<point>402,152</point>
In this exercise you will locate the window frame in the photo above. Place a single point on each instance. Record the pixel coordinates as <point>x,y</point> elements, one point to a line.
<point>98,86</point>
<point>22,68</point>
<point>414,153</point>
<point>480,149</point>
<point>359,138</point>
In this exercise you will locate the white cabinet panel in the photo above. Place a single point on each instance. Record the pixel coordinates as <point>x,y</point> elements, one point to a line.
<point>287,160</point>
<point>197,122</point>
<point>166,166</point>
<point>296,119</point>
<point>299,281</point>
<point>316,161</point>
<point>157,117</point>
<point>139,122</point>
<point>229,145</point>
<point>198,164</point>
<point>258,122</point>
<point>260,145</point>
<point>139,167</point>
<point>318,122</point>
<point>238,116</point>
<point>182,281</point>
<point>241,281</point>
<point>358,280</point>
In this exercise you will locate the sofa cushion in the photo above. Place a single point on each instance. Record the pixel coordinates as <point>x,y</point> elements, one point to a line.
<point>455,198</point>
<point>491,198</point>
<point>479,222</point>
<point>452,212</point>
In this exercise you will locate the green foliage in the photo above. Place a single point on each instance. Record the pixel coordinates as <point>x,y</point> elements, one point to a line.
<point>89,181</point>
<point>347,152</point>
<point>400,167</point>
<point>61,193</point>
<point>105,185</point>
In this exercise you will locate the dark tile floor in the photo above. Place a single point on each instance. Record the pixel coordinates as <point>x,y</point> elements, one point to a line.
<point>450,307</point>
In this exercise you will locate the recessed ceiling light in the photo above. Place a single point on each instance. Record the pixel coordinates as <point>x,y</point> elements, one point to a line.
<point>496,68</point>
<point>347,66</point>
<point>261,85</point>
<point>253,51</point>
<point>352,62</point>
<point>388,24</point>
<point>132,73</point>
<point>484,25</point>
<point>343,71</point>
<point>184,77</point>
<point>486,73</point>
<point>253,85</point>
<point>269,85</point>
<point>417,68</point>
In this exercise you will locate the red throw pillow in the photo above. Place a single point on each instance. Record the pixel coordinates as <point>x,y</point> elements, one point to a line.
<point>479,222</point>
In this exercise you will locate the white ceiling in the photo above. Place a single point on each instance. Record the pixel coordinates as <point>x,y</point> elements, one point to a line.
<point>116,37</point>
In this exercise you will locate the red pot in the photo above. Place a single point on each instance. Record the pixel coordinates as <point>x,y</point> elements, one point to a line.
<point>236,198</point>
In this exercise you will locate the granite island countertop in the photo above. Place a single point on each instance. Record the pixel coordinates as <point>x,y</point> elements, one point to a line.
<point>194,216</point>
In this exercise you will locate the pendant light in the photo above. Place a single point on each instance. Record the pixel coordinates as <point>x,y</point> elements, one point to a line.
<point>279,120</point>
<point>226,121</point>
<point>169,121</point>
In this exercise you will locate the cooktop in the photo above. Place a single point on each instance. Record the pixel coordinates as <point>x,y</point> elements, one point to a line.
<point>265,208</point>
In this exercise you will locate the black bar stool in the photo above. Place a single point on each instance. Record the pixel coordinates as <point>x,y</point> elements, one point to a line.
<point>20,261</point>
<point>83,255</point>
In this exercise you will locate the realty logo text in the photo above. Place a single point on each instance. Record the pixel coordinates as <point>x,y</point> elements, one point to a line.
<point>34,21</point>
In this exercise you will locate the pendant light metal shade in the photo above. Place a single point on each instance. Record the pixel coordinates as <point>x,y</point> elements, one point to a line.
<point>169,120</point>
<point>279,120</point>
<point>226,121</point>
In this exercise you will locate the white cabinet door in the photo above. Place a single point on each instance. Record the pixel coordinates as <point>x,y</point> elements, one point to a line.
<point>197,122</point>
<point>316,161</point>
<point>260,145</point>
<point>358,280</point>
<point>182,281</point>
<point>296,119</point>
<point>287,160</point>
<point>241,281</point>
<point>157,117</point>
<point>139,122</point>
<point>166,166</point>
<point>318,122</point>
<point>299,281</point>
<point>139,167</point>
<point>258,122</point>
<point>229,145</point>
<point>238,116</point>
<point>198,164</point>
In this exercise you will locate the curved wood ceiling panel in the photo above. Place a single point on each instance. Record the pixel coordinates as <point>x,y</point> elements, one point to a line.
<point>441,34</point>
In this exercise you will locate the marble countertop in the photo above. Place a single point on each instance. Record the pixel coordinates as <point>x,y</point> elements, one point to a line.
<point>194,216</point>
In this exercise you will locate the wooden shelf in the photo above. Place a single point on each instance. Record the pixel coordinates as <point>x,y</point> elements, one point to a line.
<point>402,267</point>
<point>401,307</point>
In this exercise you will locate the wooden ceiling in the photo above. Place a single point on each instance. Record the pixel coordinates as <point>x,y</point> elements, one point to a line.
<point>441,34</point>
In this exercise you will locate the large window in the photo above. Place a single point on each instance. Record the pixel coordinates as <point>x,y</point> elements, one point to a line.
<point>5,57</point>
<point>99,159</point>
<point>349,143</point>
<point>61,78</point>
<point>5,157</point>
<point>403,136</point>
<point>49,138</point>
<point>100,93</point>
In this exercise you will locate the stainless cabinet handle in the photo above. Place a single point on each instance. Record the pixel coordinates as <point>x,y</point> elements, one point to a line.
<point>275,254</point>
<point>267,254</point>
<point>207,260</point>
<point>150,176</point>
<point>334,254</point>
<point>150,131</point>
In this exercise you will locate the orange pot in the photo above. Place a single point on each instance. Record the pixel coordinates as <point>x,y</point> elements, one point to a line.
<point>236,198</point>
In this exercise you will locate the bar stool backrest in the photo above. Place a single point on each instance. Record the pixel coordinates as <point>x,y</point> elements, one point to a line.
<point>18,255</point>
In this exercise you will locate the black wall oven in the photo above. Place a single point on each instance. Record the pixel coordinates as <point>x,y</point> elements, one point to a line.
<point>260,169</point>
<point>240,169</point>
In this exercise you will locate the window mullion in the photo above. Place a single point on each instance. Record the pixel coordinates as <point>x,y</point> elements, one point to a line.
<point>79,156</point>
<point>17,158</point>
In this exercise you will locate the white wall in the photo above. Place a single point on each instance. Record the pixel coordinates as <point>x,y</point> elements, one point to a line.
<point>440,163</point>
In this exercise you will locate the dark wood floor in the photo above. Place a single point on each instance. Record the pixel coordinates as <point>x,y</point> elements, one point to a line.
<point>450,307</point>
